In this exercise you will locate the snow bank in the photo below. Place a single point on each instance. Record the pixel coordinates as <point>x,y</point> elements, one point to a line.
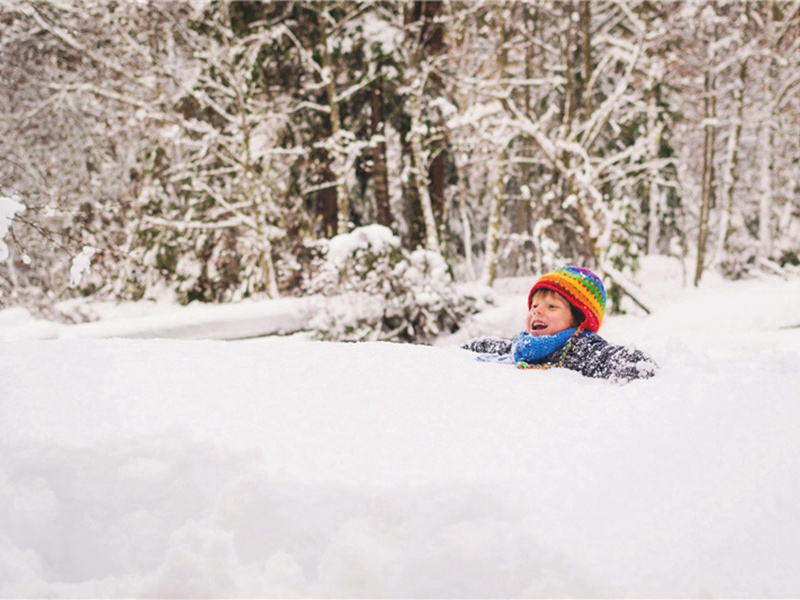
<point>18,324</point>
<point>205,321</point>
<point>286,468</point>
<point>281,316</point>
<point>279,467</point>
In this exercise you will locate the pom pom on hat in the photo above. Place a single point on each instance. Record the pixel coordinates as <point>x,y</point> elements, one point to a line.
<point>581,288</point>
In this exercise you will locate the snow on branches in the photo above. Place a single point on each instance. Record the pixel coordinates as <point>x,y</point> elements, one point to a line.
<point>390,294</point>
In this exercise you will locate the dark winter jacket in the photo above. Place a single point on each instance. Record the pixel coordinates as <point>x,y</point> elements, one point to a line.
<point>590,355</point>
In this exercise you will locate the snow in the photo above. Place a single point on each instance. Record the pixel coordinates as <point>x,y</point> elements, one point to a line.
<point>80,264</point>
<point>9,206</point>
<point>374,237</point>
<point>378,32</point>
<point>282,467</point>
<point>199,321</point>
<point>247,319</point>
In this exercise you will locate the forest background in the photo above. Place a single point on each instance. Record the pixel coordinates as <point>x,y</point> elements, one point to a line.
<point>216,151</point>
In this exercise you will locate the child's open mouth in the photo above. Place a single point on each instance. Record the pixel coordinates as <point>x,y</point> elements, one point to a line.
<point>537,325</point>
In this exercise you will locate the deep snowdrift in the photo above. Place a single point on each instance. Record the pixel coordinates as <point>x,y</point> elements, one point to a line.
<point>282,467</point>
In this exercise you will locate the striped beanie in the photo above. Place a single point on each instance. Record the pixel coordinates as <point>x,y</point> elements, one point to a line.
<point>581,288</point>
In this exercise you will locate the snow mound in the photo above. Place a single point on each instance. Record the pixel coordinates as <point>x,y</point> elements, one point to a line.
<point>284,468</point>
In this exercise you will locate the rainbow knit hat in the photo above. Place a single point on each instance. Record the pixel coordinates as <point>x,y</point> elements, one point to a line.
<point>581,288</point>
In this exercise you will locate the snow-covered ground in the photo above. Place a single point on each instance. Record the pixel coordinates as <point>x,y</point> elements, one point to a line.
<point>283,467</point>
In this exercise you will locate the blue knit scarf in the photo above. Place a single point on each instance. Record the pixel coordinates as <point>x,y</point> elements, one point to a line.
<point>533,348</point>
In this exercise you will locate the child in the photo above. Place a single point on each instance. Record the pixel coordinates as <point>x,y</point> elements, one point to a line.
<point>565,310</point>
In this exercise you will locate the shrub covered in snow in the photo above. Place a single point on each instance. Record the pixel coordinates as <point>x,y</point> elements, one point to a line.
<point>380,291</point>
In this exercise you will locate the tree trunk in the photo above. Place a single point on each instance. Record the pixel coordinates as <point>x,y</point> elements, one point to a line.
<point>467,237</point>
<point>731,176</point>
<point>766,204</point>
<point>707,179</point>
<point>652,191</point>
<point>525,218</point>
<point>437,178</point>
<point>767,158</point>
<point>338,166</point>
<point>380,167</point>
<point>428,167</point>
<point>433,43</point>
<point>586,54</point>
<point>326,201</point>
<point>420,178</point>
<point>493,231</point>
<point>268,270</point>
<point>498,189</point>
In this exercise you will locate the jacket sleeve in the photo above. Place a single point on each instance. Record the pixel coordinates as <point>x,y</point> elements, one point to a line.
<point>593,356</point>
<point>488,345</point>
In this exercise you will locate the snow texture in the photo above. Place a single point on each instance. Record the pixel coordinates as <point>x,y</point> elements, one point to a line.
<point>9,206</point>
<point>371,237</point>
<point>287,468</point>
<point>80,264</point>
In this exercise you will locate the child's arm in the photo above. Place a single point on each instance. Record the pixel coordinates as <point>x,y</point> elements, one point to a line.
<point>488,345</point>
<point>593,356</point>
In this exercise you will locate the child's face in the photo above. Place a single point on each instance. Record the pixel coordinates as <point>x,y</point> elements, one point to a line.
<point>550,313</point>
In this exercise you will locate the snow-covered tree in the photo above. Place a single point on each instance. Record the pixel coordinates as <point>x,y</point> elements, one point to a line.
<point>73,81</point>
<point>202,148</point>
